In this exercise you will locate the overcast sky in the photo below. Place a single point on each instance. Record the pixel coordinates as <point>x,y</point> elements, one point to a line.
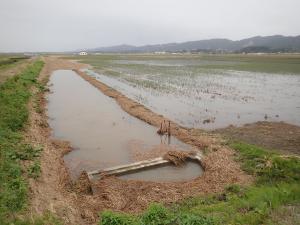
<point>58,25</point>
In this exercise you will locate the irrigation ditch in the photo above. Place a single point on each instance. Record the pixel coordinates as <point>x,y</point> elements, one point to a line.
<point>76,204</point>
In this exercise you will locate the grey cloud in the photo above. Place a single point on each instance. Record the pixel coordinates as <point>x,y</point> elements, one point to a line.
<point>58,25</point>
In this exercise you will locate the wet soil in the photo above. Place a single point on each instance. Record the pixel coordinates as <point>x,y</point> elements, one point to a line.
<point>208,99</point>
<point>54,190</point>
<point>279,136</point>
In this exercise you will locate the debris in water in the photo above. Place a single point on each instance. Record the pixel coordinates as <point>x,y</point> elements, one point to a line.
<point>209,120</point>
<point>83,184</point>
<point>176,157</point>
<point>164,128</point>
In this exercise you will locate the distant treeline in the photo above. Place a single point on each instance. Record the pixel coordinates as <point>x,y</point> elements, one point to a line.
<point>268,44</point>
<point>252,49</point>
<point>263,49</point>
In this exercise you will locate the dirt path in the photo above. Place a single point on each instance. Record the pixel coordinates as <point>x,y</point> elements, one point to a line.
<point>54,190</point>
<point>272,135</point>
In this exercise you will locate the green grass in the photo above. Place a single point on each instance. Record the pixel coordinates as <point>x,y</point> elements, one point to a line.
<point>156,214</point>
<point>277,183</point>
<point>14,96</point>
<point>282,63</point>
<point>8,62</point>
<point>268,167</point>
<point>46,219</point>
<point>285,215</point>
<point>257,63</point>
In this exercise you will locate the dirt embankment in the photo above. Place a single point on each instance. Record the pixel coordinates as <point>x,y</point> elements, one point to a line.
<point>272,135</point>
<point>54,190</point>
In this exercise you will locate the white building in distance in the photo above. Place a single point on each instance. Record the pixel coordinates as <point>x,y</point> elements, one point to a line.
<point>82,53</point>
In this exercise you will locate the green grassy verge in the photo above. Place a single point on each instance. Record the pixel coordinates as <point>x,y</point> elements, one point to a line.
<point>10,61</point>
<point>282,63</point>
<point>277,184</point>
<point>14,96</point>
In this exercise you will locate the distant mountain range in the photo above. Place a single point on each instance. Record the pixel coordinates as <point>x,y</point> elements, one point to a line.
<point>276,43</point>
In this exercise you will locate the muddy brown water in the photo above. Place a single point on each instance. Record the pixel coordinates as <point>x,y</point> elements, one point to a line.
<point>103,135</point>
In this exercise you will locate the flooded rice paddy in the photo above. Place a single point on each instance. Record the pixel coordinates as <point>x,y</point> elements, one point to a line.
<point>195,95</point>
<point>102,134</point>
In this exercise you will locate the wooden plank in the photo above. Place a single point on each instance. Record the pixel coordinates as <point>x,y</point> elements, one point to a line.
<point>136,166</point>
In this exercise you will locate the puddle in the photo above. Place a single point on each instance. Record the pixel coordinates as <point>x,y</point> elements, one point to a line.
<point>207,99</point>
<point>162,173</point>
<point>102,134</point>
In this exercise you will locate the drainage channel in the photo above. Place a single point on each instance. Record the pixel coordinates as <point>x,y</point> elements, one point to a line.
<point>104,136</point>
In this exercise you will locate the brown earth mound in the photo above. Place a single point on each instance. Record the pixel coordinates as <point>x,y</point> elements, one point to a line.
<point>272,135</point>
<point>83,184</point>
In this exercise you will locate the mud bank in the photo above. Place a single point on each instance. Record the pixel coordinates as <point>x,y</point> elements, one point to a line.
<point>271,135</point>
<point>54,190</point>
